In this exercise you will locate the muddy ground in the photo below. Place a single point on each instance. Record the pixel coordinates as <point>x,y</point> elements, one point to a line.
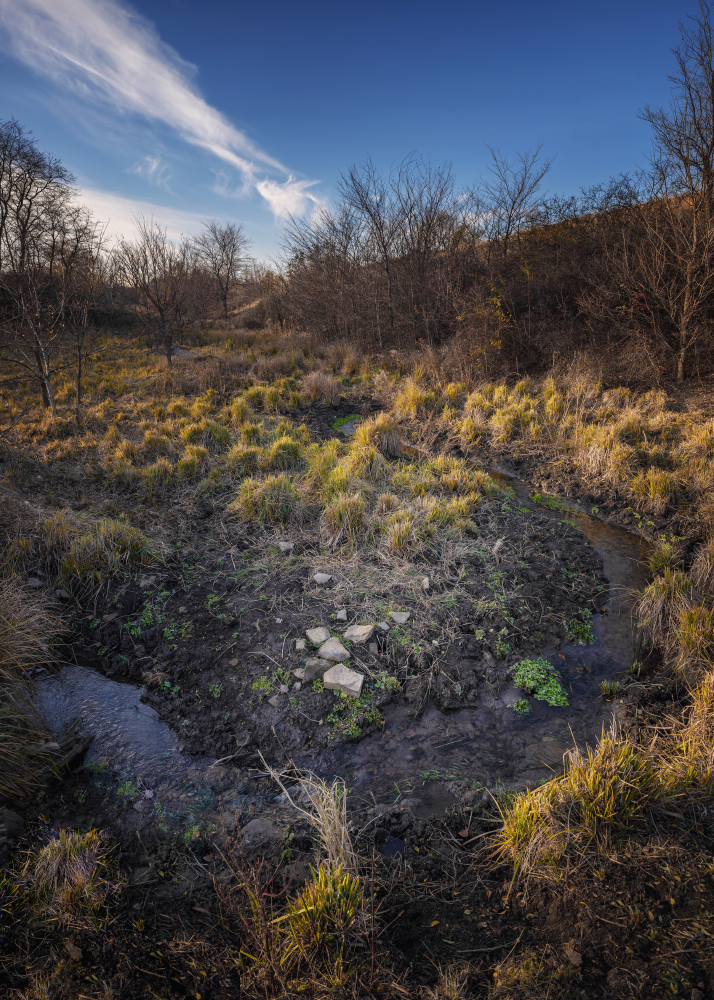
<point>211,635</point>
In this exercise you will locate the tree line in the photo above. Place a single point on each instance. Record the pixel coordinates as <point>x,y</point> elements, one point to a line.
<point>62,283</point>
<point>504,275</point>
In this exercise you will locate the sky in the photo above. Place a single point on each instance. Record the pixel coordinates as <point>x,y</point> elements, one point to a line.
<point>249,112</point>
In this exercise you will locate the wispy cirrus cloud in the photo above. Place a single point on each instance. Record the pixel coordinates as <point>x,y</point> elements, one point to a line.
<point>120,213</point>
<point>107,54</point>
<point>154,170</point>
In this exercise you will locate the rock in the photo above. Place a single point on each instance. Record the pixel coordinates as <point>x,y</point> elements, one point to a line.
<point>260,834</point>
<point>322,578</point>
<point>11,824</point>
<point>183,610</point>
<point>341,678</point>
<point>299,645</point>
<point>147,581</point>
<point>359,633</point>
<point>286,547</point>
<point>73,951</point>
<point>573,956</point>
<point>33,582</point>
<point>318,635</point>
<point>275,701</point>
<point>111,617</point>
<point>333,650</point>
<point>299,673</point>
<point>400,617</point>
<point>341,615</point>
<point>425,583</point>
<point>233,662</point>
<point>297,686</point>
<point>373,648</point>
<point>61,594</point>
<point>383,625</point>
<point>283,689</point>
<point>315,667</point>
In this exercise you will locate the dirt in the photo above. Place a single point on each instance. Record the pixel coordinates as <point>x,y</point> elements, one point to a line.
<point>210,634</point>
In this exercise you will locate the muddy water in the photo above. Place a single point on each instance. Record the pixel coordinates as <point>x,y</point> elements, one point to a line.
<point>491,744</point>
<point>414,757</point>
<point>128,738</point>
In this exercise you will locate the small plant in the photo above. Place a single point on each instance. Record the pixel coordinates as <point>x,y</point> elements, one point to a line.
<point>636,668</point>
<point>127,790</point>
<point>212,600</point>
<point>581,632</point>
<point>317,685</point>
<point>215,691</point>
<point>539,679</point>
<point>610,688</point>
<point>522,706</point>
<point>67,877</point>
<point>80,795</point>
<point>193,832</point>
<point>262,686</point>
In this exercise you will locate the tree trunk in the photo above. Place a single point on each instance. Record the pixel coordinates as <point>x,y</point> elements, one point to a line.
<point>680,363</point>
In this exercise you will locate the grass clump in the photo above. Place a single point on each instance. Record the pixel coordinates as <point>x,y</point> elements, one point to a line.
<point>539,679</point>
<point>67,878</point>
<point>272,500</point>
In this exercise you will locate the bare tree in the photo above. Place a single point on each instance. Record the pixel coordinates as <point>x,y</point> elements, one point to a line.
<point>510,195</point>
<point>164,279</point>
<point>223,251</point>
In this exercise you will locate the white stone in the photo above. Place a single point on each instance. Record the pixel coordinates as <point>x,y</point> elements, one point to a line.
<point>33,582</point>
<point>299,673</point>
<point>299,645</point>
<point>359,633</point>
<point>425,583</point>
<point>322,578</point>
<point>283,689</point>
<point>341,615</point>
<point>275,701</point>
<point>318,635</point>
<point>286,547</point>
<point>333,650</point>
<point>296,686</point>
<point>383,625</point>
<point>400,617</point>
<point>315,667</point>
<point>373,648</point>
<point>341,678</point>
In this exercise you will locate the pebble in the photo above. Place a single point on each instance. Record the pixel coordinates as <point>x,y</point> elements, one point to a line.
<point>425,583</point>
<point>297,685</point>
<point>283,689</point>
<point>61,594</point>
<point>333,650</point>
<point>286,547</point>
<point>233,662</point>
<point>299,644</point>
<point>318,635</point>
<point>341,678</point>
<point>373,648</point>
<point>299,673</point>
<point>275,701</point>
<point>383,625</point>
<point>33,582</point>
<point>341,615</point>
<point>322,578</point>
<point>400,617</point>
<point>359,633</point>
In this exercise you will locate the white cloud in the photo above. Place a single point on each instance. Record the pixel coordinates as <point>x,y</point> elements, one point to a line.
<point>153,170</point>
<point>119,212</point>
<point>290,197</point>
<point>103,52</point>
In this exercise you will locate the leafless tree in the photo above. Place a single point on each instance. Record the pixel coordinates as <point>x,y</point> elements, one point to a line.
<point>510,195</point>
<point>222,250</point>
<point>164,278</point>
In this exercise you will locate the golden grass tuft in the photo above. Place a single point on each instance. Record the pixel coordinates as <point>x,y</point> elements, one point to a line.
<point>272,500</point>
<point>67,877</point>
<point>381,431</point>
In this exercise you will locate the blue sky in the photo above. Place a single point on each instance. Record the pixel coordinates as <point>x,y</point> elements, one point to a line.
<point>245,112</point>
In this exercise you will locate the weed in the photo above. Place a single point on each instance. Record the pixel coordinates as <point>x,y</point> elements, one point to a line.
<point>610,688</point>
<point>522,706</point>
<point>539,679</point>
<point>67,877</point>
<point>215,691</point>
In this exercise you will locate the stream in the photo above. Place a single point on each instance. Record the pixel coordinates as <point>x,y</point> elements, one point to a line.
<point>410,758</point>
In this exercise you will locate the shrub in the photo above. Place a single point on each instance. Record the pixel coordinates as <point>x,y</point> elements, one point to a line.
<point>319,387</point>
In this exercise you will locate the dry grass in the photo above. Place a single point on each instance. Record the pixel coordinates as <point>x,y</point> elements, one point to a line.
<point>27,626</point>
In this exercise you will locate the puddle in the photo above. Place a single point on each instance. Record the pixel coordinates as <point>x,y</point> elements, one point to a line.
<point>129,740</point>
<point>412,759</point>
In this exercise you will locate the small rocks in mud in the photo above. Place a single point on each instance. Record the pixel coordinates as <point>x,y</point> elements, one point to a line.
<point>318,635</point>
<point>315,667</point>
<point>299,645</point>
<point>359,633</point>
<point>286,547</point>
<point>333,650</point>
<point>341,678</point>
<point>341,615</point>
<point>400,617</point>
<point>322,578</point>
